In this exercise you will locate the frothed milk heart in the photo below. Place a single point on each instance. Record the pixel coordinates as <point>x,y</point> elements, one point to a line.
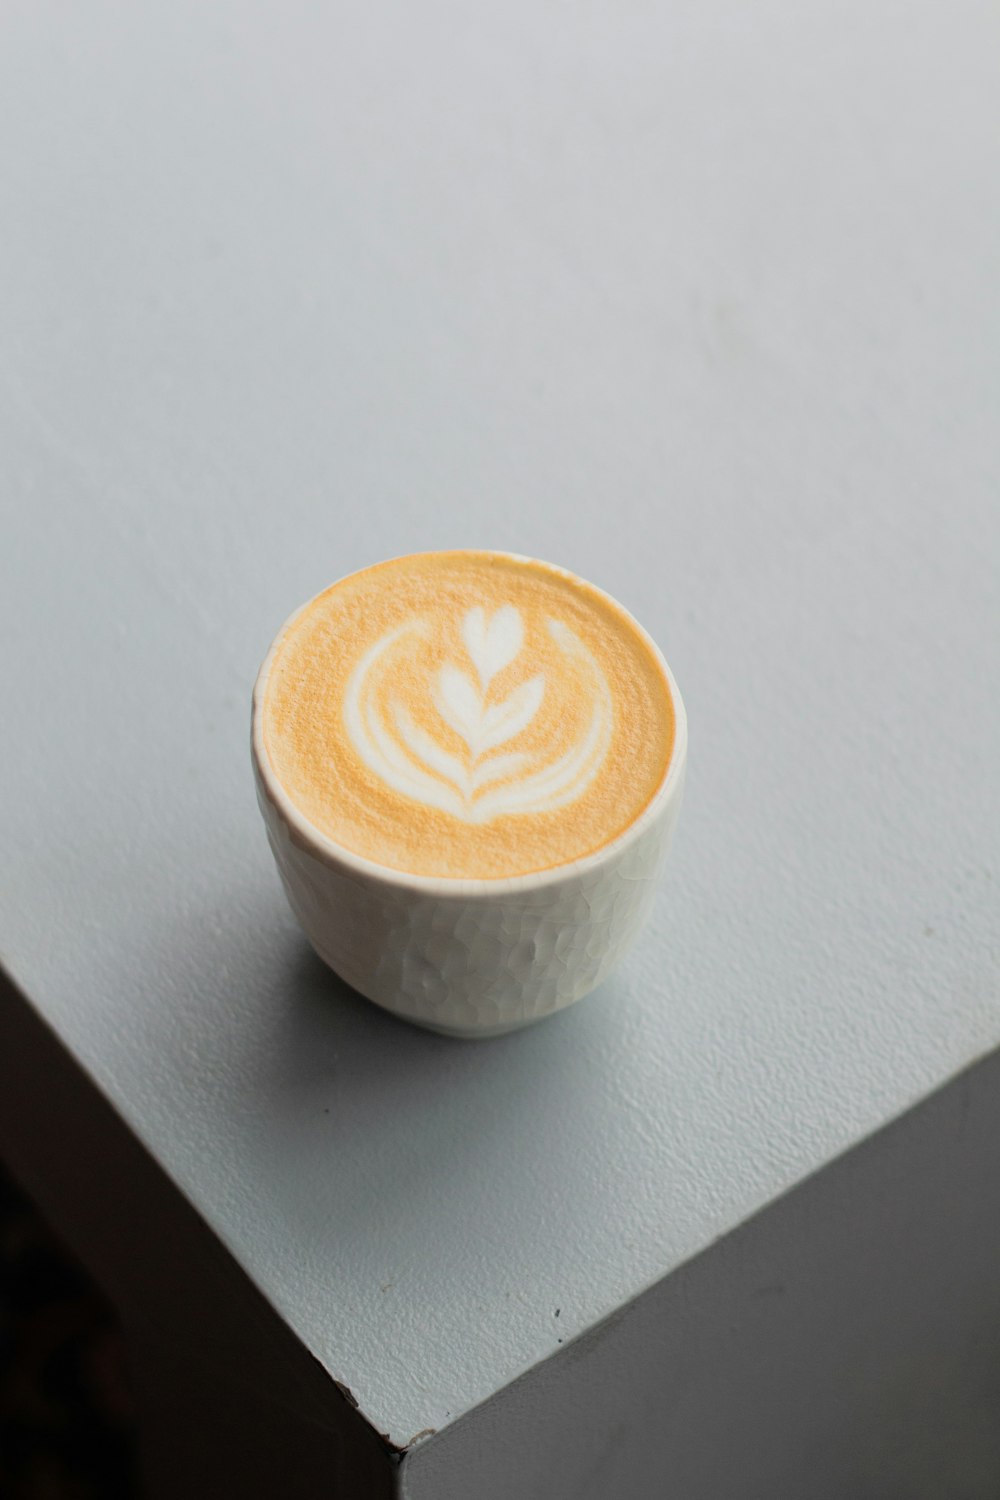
<point>467,714</point>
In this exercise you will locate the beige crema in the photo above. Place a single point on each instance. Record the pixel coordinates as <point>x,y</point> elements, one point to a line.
<point>467,714</point>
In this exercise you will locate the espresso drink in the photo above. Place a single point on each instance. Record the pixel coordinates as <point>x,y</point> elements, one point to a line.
<point>467,714</point>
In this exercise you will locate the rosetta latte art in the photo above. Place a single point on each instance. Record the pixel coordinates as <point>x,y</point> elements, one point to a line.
<point>492,778</point>
<point>466,715</point>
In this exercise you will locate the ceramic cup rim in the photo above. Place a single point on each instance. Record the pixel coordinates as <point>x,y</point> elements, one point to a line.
<point>330,852</point>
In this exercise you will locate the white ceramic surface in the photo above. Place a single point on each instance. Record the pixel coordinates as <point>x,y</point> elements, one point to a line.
<point>469,958</point>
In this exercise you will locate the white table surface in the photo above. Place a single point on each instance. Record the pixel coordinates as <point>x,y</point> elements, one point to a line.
<point>700,301</point>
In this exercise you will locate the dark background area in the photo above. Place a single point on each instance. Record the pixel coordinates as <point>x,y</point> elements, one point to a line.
<point>67,1417</point>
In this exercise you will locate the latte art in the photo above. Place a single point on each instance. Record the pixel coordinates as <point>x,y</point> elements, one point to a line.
<point>478,785</point>
<point>467,714</point>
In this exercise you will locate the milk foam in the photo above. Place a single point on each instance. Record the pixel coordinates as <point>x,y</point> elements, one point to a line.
<point>467,714</point>
<point>416,765</point>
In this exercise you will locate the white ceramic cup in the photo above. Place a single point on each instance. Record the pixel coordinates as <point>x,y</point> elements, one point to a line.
<point>470,958</point>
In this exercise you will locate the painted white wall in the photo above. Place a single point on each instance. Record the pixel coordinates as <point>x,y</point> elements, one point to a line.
<point>699,301</point>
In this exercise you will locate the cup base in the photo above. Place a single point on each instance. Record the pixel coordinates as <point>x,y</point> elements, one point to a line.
<point>475,1033</point>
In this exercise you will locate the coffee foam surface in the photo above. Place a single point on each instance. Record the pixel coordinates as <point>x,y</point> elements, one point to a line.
<point>467,714</point>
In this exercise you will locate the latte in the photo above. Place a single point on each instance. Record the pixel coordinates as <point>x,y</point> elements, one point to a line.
<point>467,714</point>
